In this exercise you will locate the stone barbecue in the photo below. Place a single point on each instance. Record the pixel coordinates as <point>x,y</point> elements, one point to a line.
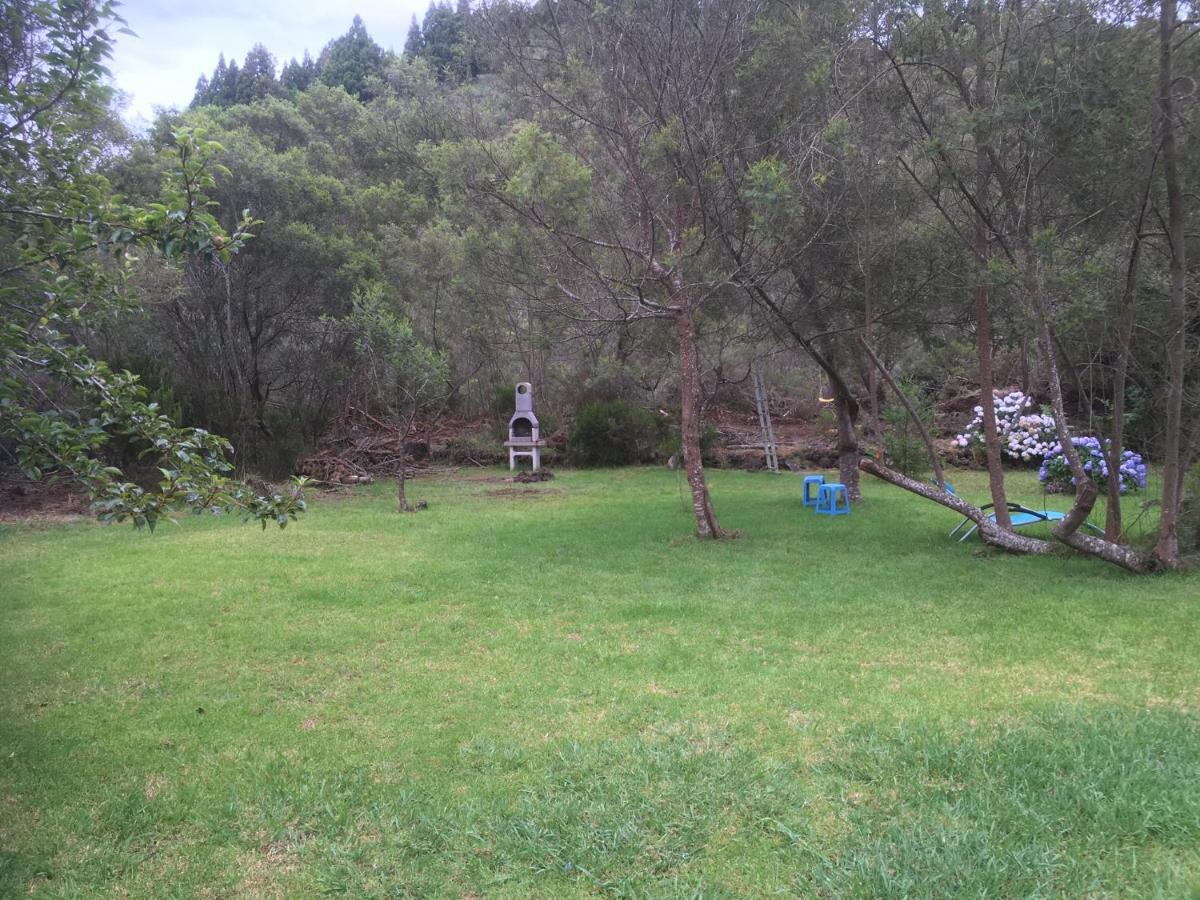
<point>523,436</point>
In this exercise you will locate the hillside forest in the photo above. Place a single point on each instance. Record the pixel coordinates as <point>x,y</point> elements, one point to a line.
<point>898,215</point>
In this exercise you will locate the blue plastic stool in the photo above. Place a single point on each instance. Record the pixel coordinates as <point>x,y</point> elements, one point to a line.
<point>828,497</point>
<point>810,497</point>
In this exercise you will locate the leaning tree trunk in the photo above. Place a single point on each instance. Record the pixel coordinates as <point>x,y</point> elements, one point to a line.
<point>1085,489</point>
<point>989,532</point>
<point>689,424</point>
<point>935,463</point>
<point>1086,492</point>
<point>1167,547</point>
<point>845,406</point>
<point>987,397</point>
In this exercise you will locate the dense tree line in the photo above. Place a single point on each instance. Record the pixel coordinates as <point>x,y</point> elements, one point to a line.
<point>354,62</point>
<point>641,199</point>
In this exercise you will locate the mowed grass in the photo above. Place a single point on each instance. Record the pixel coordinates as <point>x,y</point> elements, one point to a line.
<point>554,690</point>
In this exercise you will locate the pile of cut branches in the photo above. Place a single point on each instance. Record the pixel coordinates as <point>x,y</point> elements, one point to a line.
<point>360,447</point>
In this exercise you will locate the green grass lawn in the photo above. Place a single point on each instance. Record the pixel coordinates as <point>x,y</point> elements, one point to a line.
<point>554,690</point>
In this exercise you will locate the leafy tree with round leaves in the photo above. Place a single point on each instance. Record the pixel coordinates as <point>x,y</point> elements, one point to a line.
<point>67,247</point>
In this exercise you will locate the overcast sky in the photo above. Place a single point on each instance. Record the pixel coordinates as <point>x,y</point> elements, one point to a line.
<point>178,40</point>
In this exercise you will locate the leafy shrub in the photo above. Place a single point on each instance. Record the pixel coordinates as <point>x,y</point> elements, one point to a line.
<point>671,444</point>
<point>1056,474</point>
<point>614,433</point>
<point>902,441</point>
<point>1025,436</point>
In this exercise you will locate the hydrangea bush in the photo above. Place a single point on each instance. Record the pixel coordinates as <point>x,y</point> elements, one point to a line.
<point>1056,474</point>
<point>1025,435</point>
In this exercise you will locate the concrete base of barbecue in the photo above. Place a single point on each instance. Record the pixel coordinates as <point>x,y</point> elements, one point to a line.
<point>532,449</point>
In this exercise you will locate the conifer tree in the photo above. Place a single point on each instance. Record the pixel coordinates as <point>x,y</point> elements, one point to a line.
<point>229,89</point>
<point>216,84</point>
<point>200,97</point>
<point>298,76</point>
<point>415,43</point>
<point>257,79</point>
<point>350,61</point>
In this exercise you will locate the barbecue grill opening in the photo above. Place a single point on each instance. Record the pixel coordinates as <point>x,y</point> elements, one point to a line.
<point>521,428</point>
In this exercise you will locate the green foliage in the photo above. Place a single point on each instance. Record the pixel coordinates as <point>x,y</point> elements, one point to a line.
<point>256,80</point>
<point>404,374</point>
<point>614,433</point>
<point>444,43</point>
<point>545,174</point>
<point>298,76</point>
<point>67,247</point>
<point>230,85</point>
<point>414,42</point>
<point>352,62</point>
<point>902,442</point>
<point>770,191</point>
<point>671,442</point>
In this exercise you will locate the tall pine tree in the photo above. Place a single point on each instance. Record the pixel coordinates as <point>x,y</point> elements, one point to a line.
<point>414,43</point>
<point>351,61</point>
<point>298,76</point>
<point>257,78</point>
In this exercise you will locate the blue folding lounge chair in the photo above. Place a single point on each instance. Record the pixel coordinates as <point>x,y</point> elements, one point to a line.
<point>1019,516</point>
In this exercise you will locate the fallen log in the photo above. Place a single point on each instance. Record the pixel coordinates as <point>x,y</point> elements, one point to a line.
<point>989,531</point>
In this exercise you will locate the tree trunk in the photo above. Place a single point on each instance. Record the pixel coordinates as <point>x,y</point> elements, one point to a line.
<point>848,455</point>
<point>988,530</point>
<point>845,406</point>
<point>1086,491</point>
<point>1026,374</point>
<point>983,323</point>
<point>1067,529</point>
<point>1167,547</point>
<point>402,500</point>
<point>1116,434</point>
<point>868,184</point>
<point>689,390</point>
<point>1007,540</point>
<point>1125,315</point>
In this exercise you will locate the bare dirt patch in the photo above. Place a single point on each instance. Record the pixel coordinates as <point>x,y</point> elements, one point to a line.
<point>22,501</point>
<point>516,493</point>
<point>154,786</point>
<point>261,869</point>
